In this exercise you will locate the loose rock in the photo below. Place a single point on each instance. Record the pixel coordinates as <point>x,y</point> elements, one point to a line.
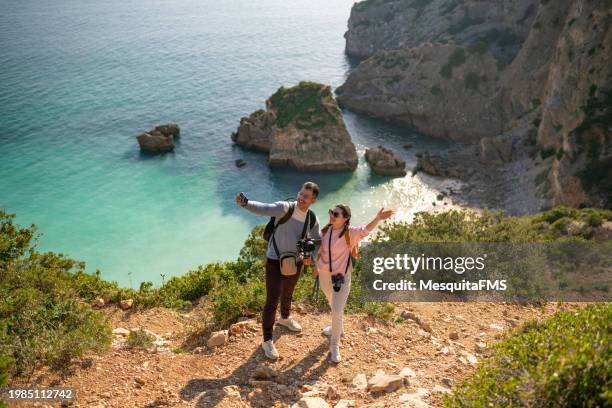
<point>126,304</point>
<point>120,331</point>
<point>217,338</point>
<point>360,382</point>
<point>385,383</point>
<point>311,402</point>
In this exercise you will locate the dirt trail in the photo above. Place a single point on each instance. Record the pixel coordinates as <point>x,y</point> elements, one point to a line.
<point>441,348</point>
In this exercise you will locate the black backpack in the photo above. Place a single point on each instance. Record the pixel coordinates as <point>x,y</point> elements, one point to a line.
<point>272,225</point>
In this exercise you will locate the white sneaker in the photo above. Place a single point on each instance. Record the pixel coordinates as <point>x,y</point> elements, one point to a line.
<point>290,324</point>
<point>270,349</point>
<point>335,353</point>
<point>327,331</point>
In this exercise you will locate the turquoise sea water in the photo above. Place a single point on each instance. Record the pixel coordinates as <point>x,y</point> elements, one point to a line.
<point>80,79</point>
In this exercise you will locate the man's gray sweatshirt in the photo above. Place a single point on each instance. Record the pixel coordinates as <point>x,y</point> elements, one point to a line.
<point>287,234</point>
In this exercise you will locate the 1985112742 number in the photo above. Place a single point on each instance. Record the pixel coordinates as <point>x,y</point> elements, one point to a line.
<point>34,394</point>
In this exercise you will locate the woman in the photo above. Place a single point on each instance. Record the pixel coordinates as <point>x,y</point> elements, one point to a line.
<point>338,240</point>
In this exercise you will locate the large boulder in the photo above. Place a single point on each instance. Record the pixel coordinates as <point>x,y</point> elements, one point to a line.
<point>385,163</point>
<point>302,128</point>
<point>437,165</point>
<point>159,139</point>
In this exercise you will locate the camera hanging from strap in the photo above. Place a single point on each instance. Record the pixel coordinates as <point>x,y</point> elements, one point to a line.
<point>288,259</point>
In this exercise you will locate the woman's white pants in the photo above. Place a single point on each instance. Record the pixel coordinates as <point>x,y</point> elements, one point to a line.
<point>337,302</point>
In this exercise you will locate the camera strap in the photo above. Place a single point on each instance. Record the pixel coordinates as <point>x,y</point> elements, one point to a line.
<point>307,222</point>
<point>331,231</point>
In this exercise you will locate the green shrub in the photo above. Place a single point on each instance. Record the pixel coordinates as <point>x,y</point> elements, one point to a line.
<point>562,362</point>
<point>140,339</point>
<point>303,106</point>
<point>459,226</point>
<point>557,213</point>
<point>379,310</point>
<point>235,299</point>
<point>468,226</point>
<point>44,320</point>
<point>594,219</point>
<point>195,284</point>
<point>5,365</point>
<point>435,90</point>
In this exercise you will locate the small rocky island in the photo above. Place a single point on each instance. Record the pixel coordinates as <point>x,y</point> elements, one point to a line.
<point>159,139</point>
<point>302,128</point>
<point>385,163</point>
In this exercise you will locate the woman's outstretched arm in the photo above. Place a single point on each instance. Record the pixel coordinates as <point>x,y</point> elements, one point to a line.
<point>381,215</point>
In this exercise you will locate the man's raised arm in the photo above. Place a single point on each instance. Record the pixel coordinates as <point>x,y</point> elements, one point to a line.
<point>277,209</point>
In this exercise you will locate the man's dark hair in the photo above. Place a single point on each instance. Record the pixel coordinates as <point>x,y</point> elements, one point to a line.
<point>312,186</point>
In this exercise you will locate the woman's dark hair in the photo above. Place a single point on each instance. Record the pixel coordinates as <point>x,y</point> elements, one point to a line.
<point>346,212</point>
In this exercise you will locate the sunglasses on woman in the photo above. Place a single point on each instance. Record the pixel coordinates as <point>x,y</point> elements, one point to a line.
<point>335,213</point>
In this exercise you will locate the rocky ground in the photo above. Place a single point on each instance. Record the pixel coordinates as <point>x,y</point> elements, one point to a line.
<point>410,363</point>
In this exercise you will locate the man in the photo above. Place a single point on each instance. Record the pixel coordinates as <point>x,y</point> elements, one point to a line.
<point>283,240</point>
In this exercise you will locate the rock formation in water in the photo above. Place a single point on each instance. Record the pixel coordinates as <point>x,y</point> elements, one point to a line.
<point>159,139</point>
<point>487,72</point>
<point>301,127</point>
<point>385,163</point>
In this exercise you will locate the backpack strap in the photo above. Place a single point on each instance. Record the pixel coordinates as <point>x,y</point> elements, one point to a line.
<point>313,218</point>
<point>306,224</point>
<point>287,215</point>
<point>282,220</point>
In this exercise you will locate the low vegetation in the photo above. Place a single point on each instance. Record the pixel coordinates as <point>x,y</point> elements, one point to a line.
<point>303,105</point>
<point>46,317</point>
<point>43,318</point>
<point>562,362</point>
<point>139,338</point>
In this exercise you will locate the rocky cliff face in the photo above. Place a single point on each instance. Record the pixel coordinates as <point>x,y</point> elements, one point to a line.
<point>546,75</point>
<point>301,127</point>
<point>576,118</point>
<point>376,25</point>
<point>441,90</point>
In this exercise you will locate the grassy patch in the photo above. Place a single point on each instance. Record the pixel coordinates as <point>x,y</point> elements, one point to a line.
<point>303,106</point>
<point>140,339</point>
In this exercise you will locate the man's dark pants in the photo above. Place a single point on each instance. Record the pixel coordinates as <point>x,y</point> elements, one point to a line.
<point>278,287</point>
